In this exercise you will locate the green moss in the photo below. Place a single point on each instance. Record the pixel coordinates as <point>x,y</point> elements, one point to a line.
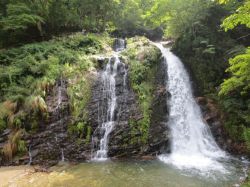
<point>134,130</point>
<point>82,130</point>
<point>3,125</point>
<point>21,147</point>
<point>142,59</point>
<point>88,136</point>
<point>28,74</point>
<point>77,128</point>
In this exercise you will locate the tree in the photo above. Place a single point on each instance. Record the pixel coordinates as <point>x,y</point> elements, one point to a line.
<point>235,90</point>
<point>176,15</point>
<point>240,17</point>
<point>240,64</point>
<point>19,17</point>
<point>239,82</point>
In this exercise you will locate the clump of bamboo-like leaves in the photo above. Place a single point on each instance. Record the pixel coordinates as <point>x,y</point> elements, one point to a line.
<point>35,104</point>
<point>14,145</point>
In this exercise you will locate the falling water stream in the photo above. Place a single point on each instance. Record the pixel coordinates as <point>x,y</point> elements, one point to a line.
<point>62,155</point>
<point>193,145</point>
<point>30,156</point>
<point>109,93</point>
<point>61,87</point>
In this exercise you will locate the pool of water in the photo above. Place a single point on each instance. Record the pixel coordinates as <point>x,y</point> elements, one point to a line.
<point>128,173</point>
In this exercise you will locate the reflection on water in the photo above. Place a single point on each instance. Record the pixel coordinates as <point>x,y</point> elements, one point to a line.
<point>122,174</point>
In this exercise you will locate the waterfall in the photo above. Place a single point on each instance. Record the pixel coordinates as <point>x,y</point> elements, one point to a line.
<point>192,143</point>
<point>62,155</point>
<point>30,156</point>
<point>59,98</point>
<point>109,103</point>
<point>119,44</point>
<point>60,87</point>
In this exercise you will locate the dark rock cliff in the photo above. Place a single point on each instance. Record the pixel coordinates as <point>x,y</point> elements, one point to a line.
<point>52,142</point>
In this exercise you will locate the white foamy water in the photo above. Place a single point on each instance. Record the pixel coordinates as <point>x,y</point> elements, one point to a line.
<point>192,144</point>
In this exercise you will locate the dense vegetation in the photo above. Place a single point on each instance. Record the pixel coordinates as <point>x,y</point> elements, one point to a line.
<point>31,20</point>
<point>27,20</point>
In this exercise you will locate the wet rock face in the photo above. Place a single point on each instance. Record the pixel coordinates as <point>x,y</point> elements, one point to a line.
<point>93,105</point>
<point>214,118</point>
<point>51,140</point>
<point>46,145</point>
<point>120,144</point>
<point>126,109</point>
<point>159,133</point>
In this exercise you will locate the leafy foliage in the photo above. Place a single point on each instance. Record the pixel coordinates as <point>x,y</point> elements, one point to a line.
<point>19,17</point>
<point>234,90</point>
<point>203,48</point>
<point>28,20</point>
<point>176,15</point>
<point>240,17</point>
<point>239,82</point>
<point>79,91</point>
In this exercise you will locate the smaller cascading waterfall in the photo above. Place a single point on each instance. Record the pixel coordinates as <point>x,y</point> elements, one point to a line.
<point>62,155</point>
<point>119,45</point>
<point>60,88</point>
<point>192,143</point>
<point>107,117</point>
<point>30,156</point>
<point>108,78</point>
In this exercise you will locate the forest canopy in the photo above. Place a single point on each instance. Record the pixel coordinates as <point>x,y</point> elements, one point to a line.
<point>24,20</point>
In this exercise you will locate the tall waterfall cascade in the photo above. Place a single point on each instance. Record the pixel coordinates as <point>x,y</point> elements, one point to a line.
<point>192,144</point>
<point>107,112</point>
